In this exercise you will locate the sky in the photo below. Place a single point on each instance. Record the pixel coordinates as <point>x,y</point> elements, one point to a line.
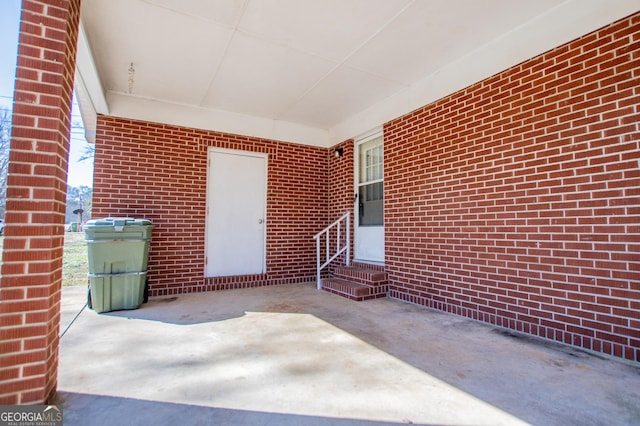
<point>80,173</point>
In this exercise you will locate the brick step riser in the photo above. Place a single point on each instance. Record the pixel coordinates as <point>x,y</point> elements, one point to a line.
<point>356,298</point>
<point>361,280</point>
<point>368,278</point>
<point>357,280</point>
<point>354,292</point>
<point>379,268</point>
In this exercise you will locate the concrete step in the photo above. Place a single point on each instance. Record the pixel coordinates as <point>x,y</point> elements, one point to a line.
<point>353,290</point>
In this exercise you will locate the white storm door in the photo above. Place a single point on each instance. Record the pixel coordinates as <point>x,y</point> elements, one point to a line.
<point>236,207</point>
<point>369,241</point>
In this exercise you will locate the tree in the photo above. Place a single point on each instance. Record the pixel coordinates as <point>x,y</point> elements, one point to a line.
<point>78,198</point>
<point>5,142</point>
<point>89,153</point>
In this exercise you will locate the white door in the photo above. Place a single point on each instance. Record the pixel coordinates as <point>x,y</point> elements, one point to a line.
<point>235,224</point>
<point>369,241</point>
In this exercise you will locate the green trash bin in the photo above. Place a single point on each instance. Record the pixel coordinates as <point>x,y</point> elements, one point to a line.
<point>118,251</point>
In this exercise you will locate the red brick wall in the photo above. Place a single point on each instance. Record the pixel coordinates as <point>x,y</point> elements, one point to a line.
<point>341,190</point>
<point>517,200</point>
<point>32,256</point>
<point>341,180</point>
<point>158,172</point>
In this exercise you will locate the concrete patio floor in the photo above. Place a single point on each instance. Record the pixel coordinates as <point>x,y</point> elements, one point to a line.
<point>291,355</point>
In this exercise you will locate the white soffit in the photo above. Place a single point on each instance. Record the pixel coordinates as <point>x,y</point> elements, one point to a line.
<point>331,29</point>
<point>568,21</point>
<point>268,74</point>
<point>346,89</point>
<point>155,111</point>
<point>314,72</point>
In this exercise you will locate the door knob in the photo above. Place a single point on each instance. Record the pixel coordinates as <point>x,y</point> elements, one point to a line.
<point>260,221</point>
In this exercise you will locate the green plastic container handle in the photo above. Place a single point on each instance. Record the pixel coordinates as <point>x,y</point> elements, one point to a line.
<point>119,222</point>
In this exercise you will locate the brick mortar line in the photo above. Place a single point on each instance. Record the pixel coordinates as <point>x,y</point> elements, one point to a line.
<point>546,329</point>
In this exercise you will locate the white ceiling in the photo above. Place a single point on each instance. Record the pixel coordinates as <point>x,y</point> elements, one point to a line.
<point>309,71</point>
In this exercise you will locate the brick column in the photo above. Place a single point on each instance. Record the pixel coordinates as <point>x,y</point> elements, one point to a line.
<point>32,258</point>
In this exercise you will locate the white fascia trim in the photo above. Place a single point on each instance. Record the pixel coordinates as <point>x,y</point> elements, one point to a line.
<point>152,110</point>
<point>564,23</point>
<point>86,68</point>
<point>372,133</point>
<point>89,92</point>
<point>87,112</point>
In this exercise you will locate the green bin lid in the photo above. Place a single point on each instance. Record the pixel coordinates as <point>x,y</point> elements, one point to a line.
<point>116,222</point>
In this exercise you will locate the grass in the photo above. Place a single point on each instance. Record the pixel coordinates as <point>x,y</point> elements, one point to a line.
<point>75,263</point>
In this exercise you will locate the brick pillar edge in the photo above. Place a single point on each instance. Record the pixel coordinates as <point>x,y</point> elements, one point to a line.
<point>30,285</point>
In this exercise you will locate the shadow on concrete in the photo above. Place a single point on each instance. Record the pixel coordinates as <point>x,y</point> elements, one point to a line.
<point>537,381</point>
<point>110,410</point>
<point>170,310</point>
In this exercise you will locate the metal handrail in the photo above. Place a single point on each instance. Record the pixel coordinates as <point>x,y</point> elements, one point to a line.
<point>339,250</point>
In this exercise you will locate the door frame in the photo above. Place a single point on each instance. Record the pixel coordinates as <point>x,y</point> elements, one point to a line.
<point>362,139</point>
<point>210,152</point>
